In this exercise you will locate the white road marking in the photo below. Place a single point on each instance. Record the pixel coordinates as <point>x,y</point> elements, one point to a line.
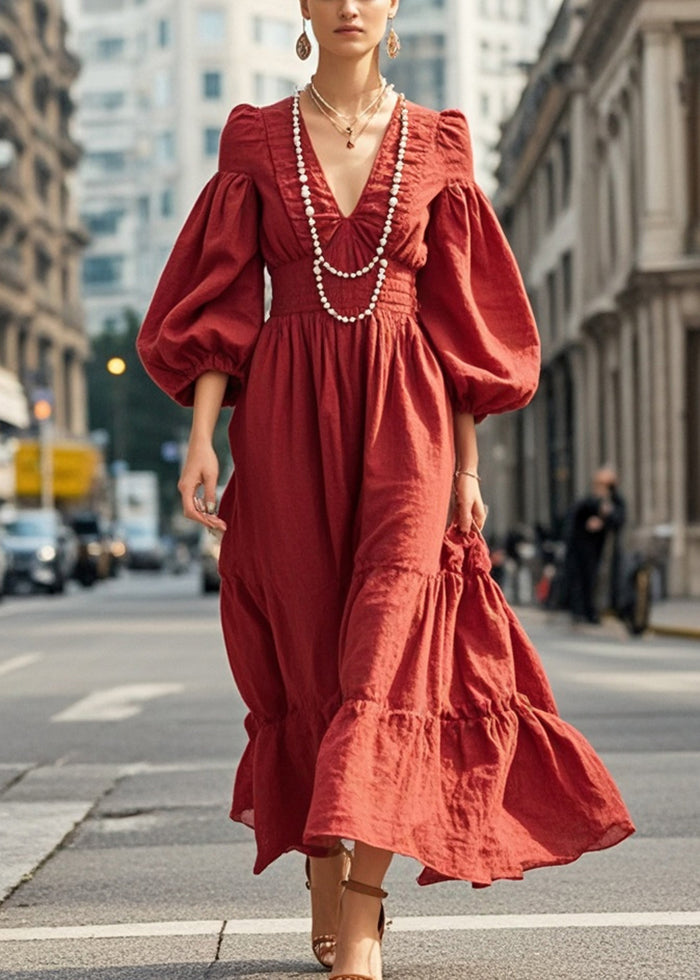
<point>115,703</point>
<point>122,627</point>
<point>31,831</point>
<point>651,681</point>
<point>450,923</point>
<point>16,663</point>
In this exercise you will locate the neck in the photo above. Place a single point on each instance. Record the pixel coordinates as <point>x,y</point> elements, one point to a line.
<point>346,83</point>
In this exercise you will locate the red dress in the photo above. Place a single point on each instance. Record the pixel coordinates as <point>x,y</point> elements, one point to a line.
<point>393,697</point>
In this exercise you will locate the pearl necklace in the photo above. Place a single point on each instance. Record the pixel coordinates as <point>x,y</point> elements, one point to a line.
<point>321,263</point>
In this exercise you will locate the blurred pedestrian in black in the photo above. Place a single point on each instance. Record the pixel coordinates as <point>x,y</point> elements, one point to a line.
<point>593,550</point>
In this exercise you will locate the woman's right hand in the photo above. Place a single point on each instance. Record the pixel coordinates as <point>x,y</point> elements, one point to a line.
<point>201,469</point>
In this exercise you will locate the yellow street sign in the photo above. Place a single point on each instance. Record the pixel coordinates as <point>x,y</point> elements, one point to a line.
<point>75,468</point>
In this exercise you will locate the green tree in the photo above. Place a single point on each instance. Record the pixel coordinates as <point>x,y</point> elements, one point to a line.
<point>138,418</point>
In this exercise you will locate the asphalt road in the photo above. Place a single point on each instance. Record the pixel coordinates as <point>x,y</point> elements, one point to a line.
<point>119,733</point>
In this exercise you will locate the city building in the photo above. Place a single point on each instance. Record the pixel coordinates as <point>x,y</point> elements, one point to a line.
<point>472,55</point>
<point>159,78</point>
<point>600,195</point>
<point>43,345</point>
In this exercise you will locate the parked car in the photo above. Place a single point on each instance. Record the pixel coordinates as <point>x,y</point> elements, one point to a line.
<point>5,560</point>
<point>94,547</point>
<point>43,550</point>
<point>209,549</point>
<point>117,551</point>
<point>144,547</point>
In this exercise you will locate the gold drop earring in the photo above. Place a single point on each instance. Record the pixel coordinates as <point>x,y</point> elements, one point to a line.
<point>393,44</point>
<point>303,42</point>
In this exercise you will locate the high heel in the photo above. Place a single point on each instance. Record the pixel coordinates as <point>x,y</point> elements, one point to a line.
<point>358,886</point>
<point>323,946</point>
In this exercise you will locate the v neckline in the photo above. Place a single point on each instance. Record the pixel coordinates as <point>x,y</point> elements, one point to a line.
<point>370,178</point>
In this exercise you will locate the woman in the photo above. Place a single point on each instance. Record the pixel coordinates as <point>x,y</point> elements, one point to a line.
<point>394,700</point>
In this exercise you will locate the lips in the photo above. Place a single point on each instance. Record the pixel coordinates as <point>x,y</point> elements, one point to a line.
<point>349,30</point>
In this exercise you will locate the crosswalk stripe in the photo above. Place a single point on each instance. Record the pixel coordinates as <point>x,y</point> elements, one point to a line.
<point>115,703</point>
<point>417,924</point>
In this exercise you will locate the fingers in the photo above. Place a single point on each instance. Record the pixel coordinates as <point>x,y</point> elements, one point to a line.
<point>201,506</point>
<point>470,510</point>
<point>199,500</point>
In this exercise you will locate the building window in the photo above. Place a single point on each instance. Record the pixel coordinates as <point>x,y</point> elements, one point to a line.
<point>103,270</point>
<point>42,92</point>
<point>42,265</point>
<point>165,32</point>
<point>165,146</point>
<point>693,425</point>
<point>565,155</point>
<point>485,105</point>
<point>108,161</point>
<point>567,280</point>
<point>552,304</point>
<point>102,6</point>
<point>109,48</point>
<point>421,74</point>
<point>167,203</point>
<point>108,100</point>
<point>485,56</point>
<point>211,141</point>
<point>162,89</point>
<point>41,19</point>
<point>612,222</point>
<point>691,87</point>
<point>104,222</point>
<point>420,5</point>
<point>211,26</point>
<point>211,85</point>
<point>270,88</point>
<point>42,179</point>
<point>550,192</point>
<point>271,32</point>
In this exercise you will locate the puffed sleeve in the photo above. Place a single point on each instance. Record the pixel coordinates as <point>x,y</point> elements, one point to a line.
<point>473,304</point>
<point>208,306</point>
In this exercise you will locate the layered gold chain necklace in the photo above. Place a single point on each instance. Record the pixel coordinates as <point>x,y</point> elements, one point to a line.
<point>346,125</point>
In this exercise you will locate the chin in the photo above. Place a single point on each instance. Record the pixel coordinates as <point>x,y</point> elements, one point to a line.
<point>357,48</point>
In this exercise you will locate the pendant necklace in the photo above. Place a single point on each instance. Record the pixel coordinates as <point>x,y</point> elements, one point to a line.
<point>321,263</point>
<point>349,131</point>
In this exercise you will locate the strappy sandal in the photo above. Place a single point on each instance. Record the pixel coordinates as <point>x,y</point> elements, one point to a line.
<point>323,946</point>
<point>359,886</point>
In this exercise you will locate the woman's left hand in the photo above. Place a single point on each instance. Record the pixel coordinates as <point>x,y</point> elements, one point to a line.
<point>469,508</point>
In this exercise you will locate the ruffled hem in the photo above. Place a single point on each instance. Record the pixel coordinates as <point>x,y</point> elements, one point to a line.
<point>474,774</point>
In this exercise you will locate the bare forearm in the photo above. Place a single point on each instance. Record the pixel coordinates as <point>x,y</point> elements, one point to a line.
<point>466,448</point>
<point>208,398</point>
<point>201,467</point>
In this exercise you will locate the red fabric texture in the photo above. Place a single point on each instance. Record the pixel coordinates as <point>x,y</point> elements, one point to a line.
<point>393,698</point>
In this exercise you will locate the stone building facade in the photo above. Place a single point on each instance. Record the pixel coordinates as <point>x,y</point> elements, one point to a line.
<point>600,196</point>
<point>471,55</point>
<point>43,344</point>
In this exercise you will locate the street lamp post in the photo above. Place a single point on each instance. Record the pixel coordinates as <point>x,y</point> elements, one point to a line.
<point>116,367</point>
<point>43,413</point>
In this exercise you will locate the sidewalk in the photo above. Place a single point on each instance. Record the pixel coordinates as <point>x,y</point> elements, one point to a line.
<point>676,617</point>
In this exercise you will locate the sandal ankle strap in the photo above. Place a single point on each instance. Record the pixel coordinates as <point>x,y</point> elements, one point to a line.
<point>359,886</point>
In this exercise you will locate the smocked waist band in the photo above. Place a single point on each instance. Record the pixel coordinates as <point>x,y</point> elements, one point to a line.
<point>294,290</point>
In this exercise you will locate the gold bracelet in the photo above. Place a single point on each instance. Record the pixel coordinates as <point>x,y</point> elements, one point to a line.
<point>474,476</point>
